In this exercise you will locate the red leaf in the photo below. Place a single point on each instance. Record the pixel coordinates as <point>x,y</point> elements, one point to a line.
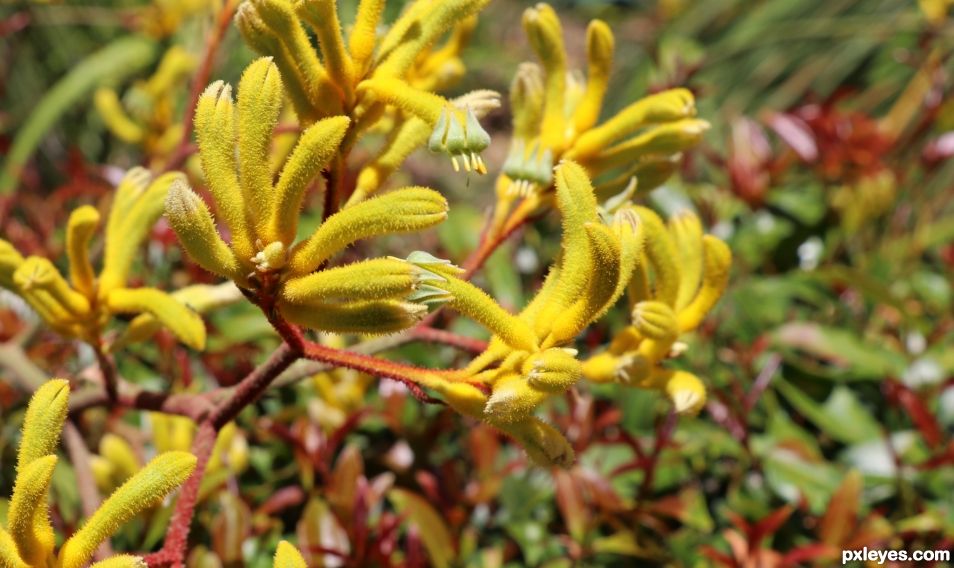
<point>796,133</point>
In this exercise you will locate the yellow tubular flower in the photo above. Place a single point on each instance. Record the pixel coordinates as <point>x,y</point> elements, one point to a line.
<point>30,541</point>
<point>287,556</point>
<point>717,260</point>
<point>193,224</point>
<point>184,323</point>
<point>120,456</point>
<point>215,131</point>
<point>200,298</point>
<point>111,110</point>
<point>313,152</point>
<point>259,103</point>
<point>145,489</point>
<point>322,15</point>
<point>130,221</point>
<point>421,25</point>
<point>401,211</point>
<point>9,556</point>
<point>43,421</point>
<point>545,34</point>
<point>29,524</point>
<point>599,55</point>
<point>121,561</point>
<point>684,274</point>
<point>79,230</point>
<point>371,317</point>
<point>363,36</point>
<point>375,279</point>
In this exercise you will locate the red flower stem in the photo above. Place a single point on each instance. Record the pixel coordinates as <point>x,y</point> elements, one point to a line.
<point>448,338</point>
<point>252,386</point>
<point>108,370</point>
<point>177,537</point>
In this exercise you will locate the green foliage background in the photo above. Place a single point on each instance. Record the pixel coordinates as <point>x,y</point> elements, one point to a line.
<point>830,360</point>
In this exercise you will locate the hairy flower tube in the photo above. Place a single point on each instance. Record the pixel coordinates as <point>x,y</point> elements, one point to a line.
<point>263,256</point>
<point>83,305</point>
<point>530,356</point>
<point>327,83</point>
<point>386,84</point>
<point>287,556</point>
<point>556,114</point>
<point>680,276</point>
<point>144,115</point>
<point>28,539</point>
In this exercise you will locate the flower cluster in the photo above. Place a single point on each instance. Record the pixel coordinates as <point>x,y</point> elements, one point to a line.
<point>262,218</point>
<point>680,276</point>
<point>556,115</point>
<point>144,116</point>
<point>530,357</point>
<point>28,540</point>
<point>82,306</point>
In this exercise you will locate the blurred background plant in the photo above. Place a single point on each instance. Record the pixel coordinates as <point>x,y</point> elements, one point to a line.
<point>829,363</point>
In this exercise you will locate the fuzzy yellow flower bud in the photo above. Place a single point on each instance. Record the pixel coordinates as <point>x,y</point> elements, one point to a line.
<point>37,273</point>
<point>80,228</point>
<point>400,211</point>
<point>717,259</point>
<point>371,317</point>
<point>685,390</point>
<point>686,229</point>
<point>666,106</point>
<point>668,138</point>
<point>313,152</point>
<point>545,34</point>
<point>44,421</point>
<point>599,55</point>
<point>512,400</point>
<point>9,556</point>
<point>28,521</point>
<point>182,321</point>
<point>129,225</point>
<point>376,279</point>
<point>363,36</point>
<point>322,16</point>
<point>145,489</point>
<point>553,370</point>
<point>259,102</point>
<point>120,455</point>
<point>287,556</point>
<point>545,445</point>
<point>10,260</point>
<point>215,131</point>
<point>193,224</point>
<point>121,561</point>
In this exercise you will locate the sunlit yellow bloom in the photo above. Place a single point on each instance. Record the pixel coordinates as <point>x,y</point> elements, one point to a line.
<point>83,306</point>
<point>145,114</point>
<point>262,217</point>
<point>28,539</point>
<point>555,117</point>
<point>680,276</point>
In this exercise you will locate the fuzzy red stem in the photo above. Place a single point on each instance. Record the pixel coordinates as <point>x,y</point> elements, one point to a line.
<point>177,537</point>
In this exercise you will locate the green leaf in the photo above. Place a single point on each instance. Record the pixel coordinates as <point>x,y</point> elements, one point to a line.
<point>841,354</point>
<point>842,416</point>
<point>117,60</point>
